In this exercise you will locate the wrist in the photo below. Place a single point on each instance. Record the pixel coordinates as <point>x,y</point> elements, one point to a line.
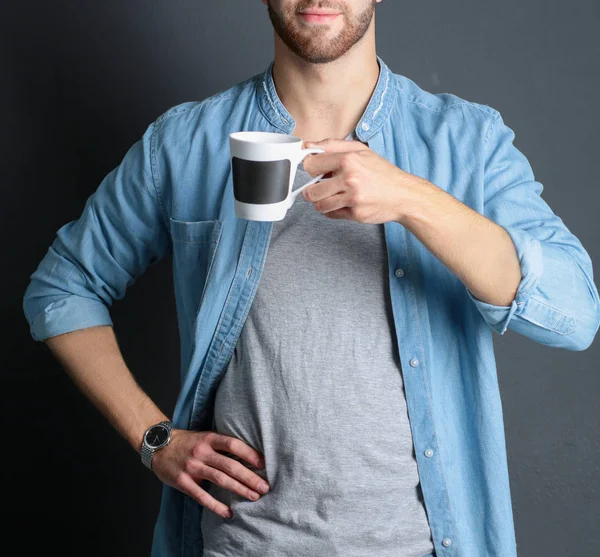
<point>156,437</point>
<point>136,436</point>
<point>418,198</point>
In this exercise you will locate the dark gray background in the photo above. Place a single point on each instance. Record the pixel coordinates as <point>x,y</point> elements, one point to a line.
<point>80,83</point>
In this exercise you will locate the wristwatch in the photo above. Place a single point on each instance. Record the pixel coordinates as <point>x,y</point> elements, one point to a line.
<point>156,437</point>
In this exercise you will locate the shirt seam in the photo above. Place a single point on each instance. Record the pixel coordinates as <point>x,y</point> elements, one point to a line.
<point>266,117</point>
<point>424,375</point>
<point>154,167</point>
<point>491,126</point>
<point>271,102</point>
<point>153,172</point>
<point>559,312</point>
<point>489,111</point>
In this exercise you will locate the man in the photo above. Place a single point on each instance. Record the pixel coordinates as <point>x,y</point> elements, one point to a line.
<point>343,354</point>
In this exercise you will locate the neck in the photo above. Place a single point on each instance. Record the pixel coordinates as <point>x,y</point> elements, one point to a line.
<point>326,100</point>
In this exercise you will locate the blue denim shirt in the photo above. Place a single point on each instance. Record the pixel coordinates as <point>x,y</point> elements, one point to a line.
<point>172,194</point>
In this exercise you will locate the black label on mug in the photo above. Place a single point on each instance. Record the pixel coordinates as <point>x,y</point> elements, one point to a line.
<point>260,182</point>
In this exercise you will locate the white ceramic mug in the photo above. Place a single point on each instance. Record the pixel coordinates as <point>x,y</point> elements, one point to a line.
<point>264,166</point>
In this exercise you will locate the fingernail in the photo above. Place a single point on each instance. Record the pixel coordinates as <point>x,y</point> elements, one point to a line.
<point>263,487</point>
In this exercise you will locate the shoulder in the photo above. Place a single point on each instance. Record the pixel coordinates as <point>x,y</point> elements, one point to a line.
<point>189,114</point>
<point>436,107</point>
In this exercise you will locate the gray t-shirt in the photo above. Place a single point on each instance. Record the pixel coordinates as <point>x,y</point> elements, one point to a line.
<point>315,384</point>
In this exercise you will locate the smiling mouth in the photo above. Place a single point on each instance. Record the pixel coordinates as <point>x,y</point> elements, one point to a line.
<point>318,18</point>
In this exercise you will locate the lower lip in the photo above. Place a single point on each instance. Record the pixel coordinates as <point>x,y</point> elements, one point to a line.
<point>313,18</point>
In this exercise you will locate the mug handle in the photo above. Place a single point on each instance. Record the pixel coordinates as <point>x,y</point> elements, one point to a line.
<point>303,154</point>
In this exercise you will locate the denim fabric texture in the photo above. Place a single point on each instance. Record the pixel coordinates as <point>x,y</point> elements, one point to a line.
<point>172,194</point>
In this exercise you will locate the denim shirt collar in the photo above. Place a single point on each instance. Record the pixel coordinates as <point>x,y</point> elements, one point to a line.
<point>375,115</point>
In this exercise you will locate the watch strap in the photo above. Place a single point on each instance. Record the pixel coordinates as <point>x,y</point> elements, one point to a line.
<point>147,453</point>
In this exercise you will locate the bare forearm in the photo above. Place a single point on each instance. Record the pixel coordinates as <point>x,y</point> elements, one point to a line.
<point>93,360</point>
<point>478,251</point>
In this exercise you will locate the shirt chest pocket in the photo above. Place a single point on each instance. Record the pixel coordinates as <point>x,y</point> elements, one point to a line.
<point>195,245</point>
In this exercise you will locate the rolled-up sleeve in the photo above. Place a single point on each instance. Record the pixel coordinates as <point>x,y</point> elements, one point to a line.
<point>91,262</point>
<point>556,303</point>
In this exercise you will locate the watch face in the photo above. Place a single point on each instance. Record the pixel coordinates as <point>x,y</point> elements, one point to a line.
<point>157,436</point>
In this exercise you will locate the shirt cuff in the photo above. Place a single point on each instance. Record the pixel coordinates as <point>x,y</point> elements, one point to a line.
<point>69,314</point>
<point>529,251</point>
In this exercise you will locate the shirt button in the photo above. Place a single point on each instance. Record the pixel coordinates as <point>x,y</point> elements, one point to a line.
<point>399,273</point>
<point>446,542</point>
<point>428,452</point>
<point>414,362</point>
<point>365,126</point>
